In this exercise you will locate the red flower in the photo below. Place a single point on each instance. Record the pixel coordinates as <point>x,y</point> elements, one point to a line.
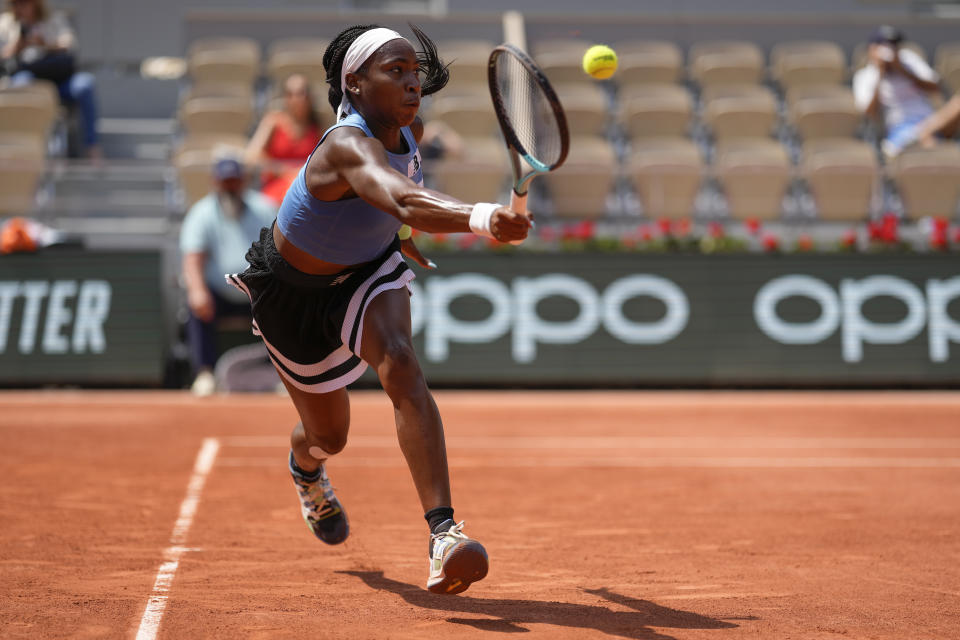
<point>579,231</point>
<point>716,230</point>
<point>646,234</point>
<point>770,242</point>
<point>849,239</point>
<point>938,234</point>
<point>804,242</point>
<point>956,235</point>
<point>467,240</point>
<point>753,225</point>
<point>888,229</point>
<point>682,227</point>
<point>547,234</point>
<point>664,225</point>
<point>440,237</point>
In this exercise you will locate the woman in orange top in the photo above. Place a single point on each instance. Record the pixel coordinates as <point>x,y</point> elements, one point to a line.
<point>284,139</point>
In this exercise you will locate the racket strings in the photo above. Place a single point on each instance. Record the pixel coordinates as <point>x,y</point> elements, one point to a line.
<point>529,110</point>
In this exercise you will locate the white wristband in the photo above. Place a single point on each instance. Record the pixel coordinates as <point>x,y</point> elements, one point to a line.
<point>481,216</point>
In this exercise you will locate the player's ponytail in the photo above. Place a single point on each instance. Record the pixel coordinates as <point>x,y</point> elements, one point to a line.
<point>435,74</point>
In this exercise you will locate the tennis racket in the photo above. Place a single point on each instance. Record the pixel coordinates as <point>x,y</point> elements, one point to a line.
<point>531,118</point>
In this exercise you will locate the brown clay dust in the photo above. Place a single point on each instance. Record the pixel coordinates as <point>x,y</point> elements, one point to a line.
<point>624,515</point>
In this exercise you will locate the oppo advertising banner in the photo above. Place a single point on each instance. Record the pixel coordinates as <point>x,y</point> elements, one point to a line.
<point>595,319</point>
<point>73,316</point>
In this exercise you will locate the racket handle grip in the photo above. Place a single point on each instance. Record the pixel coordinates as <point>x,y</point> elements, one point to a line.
<point>518,203</point>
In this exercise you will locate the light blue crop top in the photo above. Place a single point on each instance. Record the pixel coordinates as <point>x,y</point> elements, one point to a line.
<point>344,231</point>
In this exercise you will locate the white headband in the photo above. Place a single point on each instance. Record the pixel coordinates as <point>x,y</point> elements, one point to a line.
<point>362,48</point>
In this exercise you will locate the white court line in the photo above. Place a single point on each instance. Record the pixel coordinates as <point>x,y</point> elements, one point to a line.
<point>635,462</point>
<point>624,442</point>
<point>153,614</point>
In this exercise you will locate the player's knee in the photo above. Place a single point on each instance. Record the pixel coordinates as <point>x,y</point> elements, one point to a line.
<point>329,443</point>
<point>400,370</point>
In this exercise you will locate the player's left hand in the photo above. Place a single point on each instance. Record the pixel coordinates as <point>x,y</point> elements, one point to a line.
<point>411,251</point>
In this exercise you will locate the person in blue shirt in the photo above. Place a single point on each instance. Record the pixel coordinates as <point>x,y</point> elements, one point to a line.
<point>329,286</point>
<point>215,234</point>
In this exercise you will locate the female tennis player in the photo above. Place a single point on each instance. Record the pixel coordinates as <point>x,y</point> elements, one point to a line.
<point>329,287</point>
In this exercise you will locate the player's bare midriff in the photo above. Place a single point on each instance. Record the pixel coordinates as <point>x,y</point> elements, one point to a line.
<point>303,261</point>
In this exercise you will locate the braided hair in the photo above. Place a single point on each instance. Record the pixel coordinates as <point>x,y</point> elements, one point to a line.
<point>433,72</point>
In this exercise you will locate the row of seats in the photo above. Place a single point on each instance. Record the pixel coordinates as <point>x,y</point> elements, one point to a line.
<point>754,174</point>
<point>734,111</point>
<point>791,64</point>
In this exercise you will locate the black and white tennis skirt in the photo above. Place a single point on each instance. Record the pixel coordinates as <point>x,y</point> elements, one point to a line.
<point>312,325</point>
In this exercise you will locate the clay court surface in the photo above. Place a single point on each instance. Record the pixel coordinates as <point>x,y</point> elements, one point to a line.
<point>627,515</point>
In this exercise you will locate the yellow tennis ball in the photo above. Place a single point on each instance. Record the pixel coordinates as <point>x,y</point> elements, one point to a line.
<point>600,61</point>
<point>405,232</point>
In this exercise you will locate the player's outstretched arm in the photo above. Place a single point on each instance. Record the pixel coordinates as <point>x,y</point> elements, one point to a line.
<point>362,162</point>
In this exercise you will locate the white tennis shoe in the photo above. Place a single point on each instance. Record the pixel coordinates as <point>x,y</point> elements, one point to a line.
<point>456,560</point>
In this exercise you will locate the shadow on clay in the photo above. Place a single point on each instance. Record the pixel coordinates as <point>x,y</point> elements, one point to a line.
<point>507,616</point>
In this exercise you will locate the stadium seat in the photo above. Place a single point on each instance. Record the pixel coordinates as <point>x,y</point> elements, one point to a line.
<point>194,174</point>
<point>754,175</point>
<point>823,112</point>
<point>306,62</point>
<point>807,63</point>
<point>216,115</point>
<point>580,187</point>
<point>207,142</point>
<point>648,62</point>
<point>564,66</point>
<point>468,62</point>
<point>224,60</point>
<point>560,45</point>
<point>219,90</point>
<point>739,111</point>
<point>586,108</point>
<point>30,109</point>
<point>725,63</point>
<point>842,176</point>
<point>287,45</point>
<point>469,114</point>
<point>948,65</point>
<point>22,165</point>
<point>479,175</point>
<point>928,180</point>
<point>656,111</point>
<point>666,173</point>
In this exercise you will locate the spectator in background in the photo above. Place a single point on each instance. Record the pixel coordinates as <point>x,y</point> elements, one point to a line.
<point>35,43</point>
<point>897,84</point>
<point>214,238</point>
<point>285,139</point>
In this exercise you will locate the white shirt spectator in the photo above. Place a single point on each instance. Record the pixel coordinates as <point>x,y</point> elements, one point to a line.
<point>901,99</point>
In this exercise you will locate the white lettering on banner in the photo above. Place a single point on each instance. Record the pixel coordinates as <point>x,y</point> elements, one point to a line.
<point>515,309</point>
<point>770,294</point>
<point>857,329</point>
<point>33,293</point>
<point>8,291</point>
<point>58,315</point>
<point>845,310</point>
<point>93,307</point>
<point>92,310</point>
<point>665,329</point>
<point>442,328</point>
<point>529,328</point>
<point>943,329</point>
